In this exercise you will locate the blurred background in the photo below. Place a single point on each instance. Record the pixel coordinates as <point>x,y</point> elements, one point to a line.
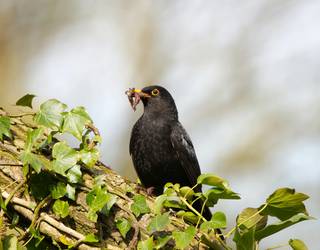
<point>244,75</point>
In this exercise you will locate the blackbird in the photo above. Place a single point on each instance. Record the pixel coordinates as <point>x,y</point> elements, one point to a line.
<point>160,147</point>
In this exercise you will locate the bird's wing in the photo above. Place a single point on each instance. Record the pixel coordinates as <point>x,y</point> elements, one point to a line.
<point>184,150</point>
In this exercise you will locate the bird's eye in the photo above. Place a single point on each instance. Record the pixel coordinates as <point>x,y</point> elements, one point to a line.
<point>155,92</point>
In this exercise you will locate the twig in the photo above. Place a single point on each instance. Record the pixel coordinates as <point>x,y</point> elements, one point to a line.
<point>60,226</point>
<point>27,204</point>
<point>134,240</point>
<point>92,143</point>
<point>14,191</point>
<point>10,164</point>
<point>35,216</point>
<point>21,115</point>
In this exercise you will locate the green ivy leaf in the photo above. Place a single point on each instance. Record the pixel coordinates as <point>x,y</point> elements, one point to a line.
<point>61,208</point>
<point>59,190</point>
<point>65,157</point>
<point>123,226</point>
<point>256,220</point>
<point>245,239</point>
<point>26,100</point>
<point>89,157</point>
<point>187,192</point>
<point>162,241</point>
<point>139,205</point>
<point>99,199</point>
<point>32,138</point>
<point>4,127</point>
<point>212,180</point>
<point>31,159</point>
<point>75,122</point>
<point>91,238</point>
<point>71,192</point>
<point>74,174</point>
<point>146,244</point>
<point>218,220</point>
<point>284,203</point>
<point>188,216</point>
<point>214,194</point>
<point>50,114</point>
<point>297,244</point>
<point>158,223</point>
<point>11,242</point>
<point>274,228</point>
<point>183,239</point>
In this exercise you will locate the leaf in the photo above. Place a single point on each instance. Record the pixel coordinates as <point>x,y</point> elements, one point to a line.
<point>65,157</point>
<point>71,192</point>
<point>256,220</point>
<point>284,203</point>
<point>75,122</point>
<point>89,157</point>
<point>11,242</point>
<point>297,244</point>
<point>32,138</point>
<point>74,174</point>
<point>31,159</point>
<point>186,192</point>
<point>274,228</point>
<point>162,241</point>
<point>112,200</point>
<point>97,199</point>
<point>146,244</point>
<point>245,239</point>
<point>188,216</point>
<point>50,114</point>
<point>158,223</point>
<point>91,238</point>
<point>123,226</point>
<point>213,180</point>
<point>214,194</point>
<point>4,127</point>
<point>218,220</point>
<point>26,100</point>
<point>58,190</point>
<point>139,205</point>
<point>183,239</point>
<point>61,208</point>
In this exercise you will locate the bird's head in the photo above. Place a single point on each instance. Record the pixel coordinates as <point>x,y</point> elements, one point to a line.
<point>155,99</point>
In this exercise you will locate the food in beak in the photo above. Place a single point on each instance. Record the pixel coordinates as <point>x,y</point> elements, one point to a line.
<point>134,97</point>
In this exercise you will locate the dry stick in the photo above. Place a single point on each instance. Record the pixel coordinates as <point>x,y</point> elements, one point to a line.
<point>21,115</point>
<point>11,164</point>
<point>61,226</point>
<point>14,191</point>
<point>35,216</point>
<point>90,126</point>
<point>26,209</point>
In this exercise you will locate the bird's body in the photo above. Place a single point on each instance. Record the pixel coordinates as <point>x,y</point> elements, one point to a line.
<point>160,148</point>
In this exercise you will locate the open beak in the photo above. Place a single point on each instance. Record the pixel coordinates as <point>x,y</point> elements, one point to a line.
<point>135,95</point>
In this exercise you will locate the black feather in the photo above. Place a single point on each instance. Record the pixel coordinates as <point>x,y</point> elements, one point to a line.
<point>160,147</point>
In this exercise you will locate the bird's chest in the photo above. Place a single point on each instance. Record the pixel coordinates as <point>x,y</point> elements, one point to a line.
<point>153,148</point>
